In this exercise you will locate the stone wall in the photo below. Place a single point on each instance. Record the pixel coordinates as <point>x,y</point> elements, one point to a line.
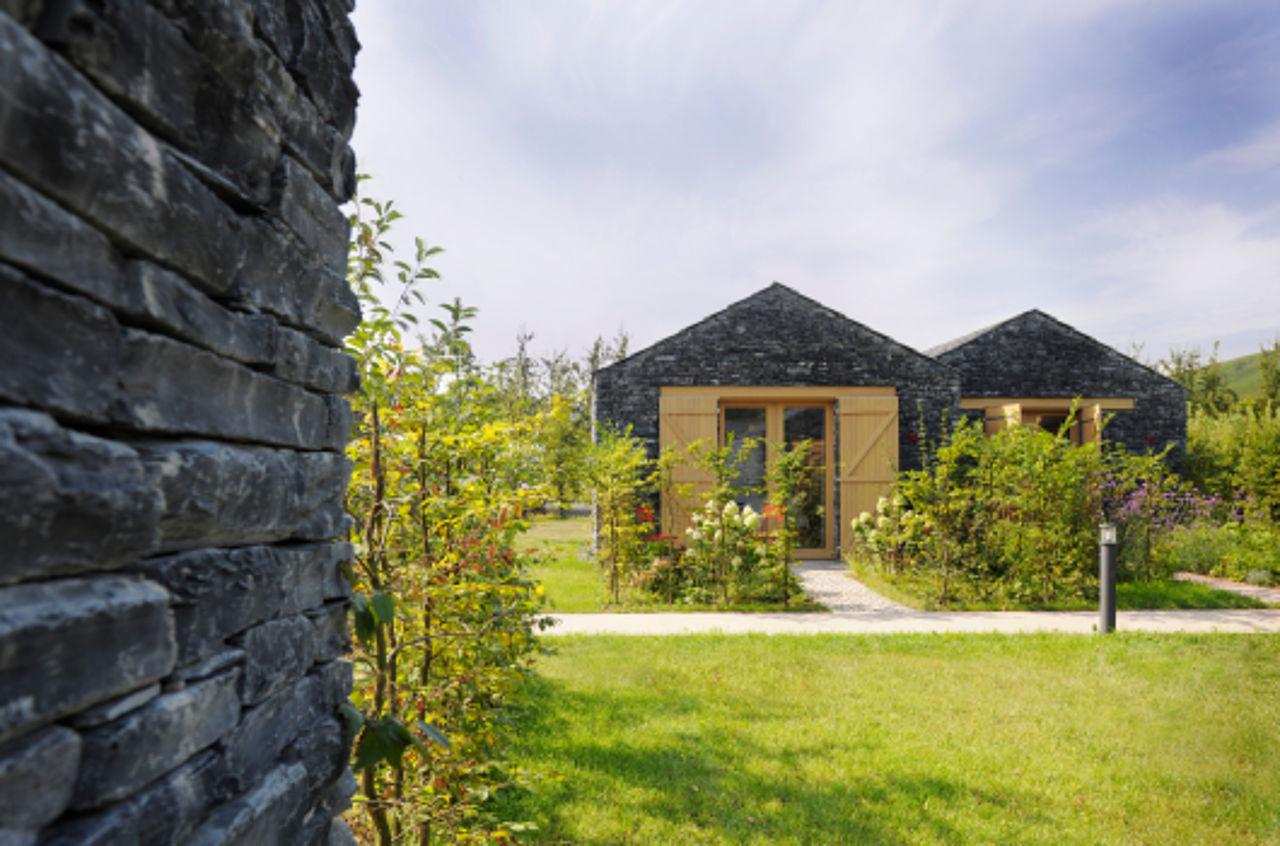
<point>1035,355</point>
<point>172,306</point>
<point>777,337</point>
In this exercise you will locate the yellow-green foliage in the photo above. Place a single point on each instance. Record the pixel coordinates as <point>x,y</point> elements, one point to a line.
<point>1236,454</point>
<point>443,614</point>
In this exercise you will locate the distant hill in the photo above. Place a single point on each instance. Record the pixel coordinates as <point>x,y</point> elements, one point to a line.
<point>1243,376</point>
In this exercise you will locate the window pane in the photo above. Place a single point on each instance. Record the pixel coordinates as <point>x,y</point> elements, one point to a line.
<point>745,423</point>
<point>808,508</point>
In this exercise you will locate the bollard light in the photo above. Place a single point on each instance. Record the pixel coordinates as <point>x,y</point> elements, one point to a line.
<point>1106,578</point>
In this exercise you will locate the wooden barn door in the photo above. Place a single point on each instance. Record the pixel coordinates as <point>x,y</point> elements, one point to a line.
<point>868,454</point>
<point>682,420</point>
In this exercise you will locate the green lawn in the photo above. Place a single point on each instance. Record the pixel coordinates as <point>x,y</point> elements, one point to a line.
<point>1128,738</point>
<point>563,563</point>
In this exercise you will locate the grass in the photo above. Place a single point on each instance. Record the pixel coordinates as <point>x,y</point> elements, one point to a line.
<point>1243,375</point>
<point>1059,739</point>
<point>572,582</point>
<point>1163,595</point>
<point>564,565</point>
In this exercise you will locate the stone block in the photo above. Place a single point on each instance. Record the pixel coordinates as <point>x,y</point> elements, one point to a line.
<point>265,730</point>
<point>60,352</point>
<point>52,122</point>
<point>219,663</point>
<point>323,751</point>
<point>310,574</point>
<point>336,583</point>
<point>335,679</point>
<point>69,502</point>
<point>163,813</point>
<point>219,494</point>
<point>114,825</point>
<point>37,776</point>
<point>301,359</point>
<point>277,653</point>
<point>161,298</point>
<point>71,643</point>
<point>119,44</point>
<point>113,709</point>
<point>156,375</point>
<point>269,814</point>
<point>307,209</point>
<point>332,637</point>
<point>300,36</point>
<point>171,809</point>
<point>278,276</point>
<point>217,593</point>
<point>126,754</point>
<point>42,237</point>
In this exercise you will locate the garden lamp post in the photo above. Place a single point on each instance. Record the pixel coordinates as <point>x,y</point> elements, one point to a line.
<point>1107,578</point>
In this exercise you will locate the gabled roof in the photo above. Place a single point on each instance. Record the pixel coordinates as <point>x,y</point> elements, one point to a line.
<point>757,323</point>
<point>969,351</point>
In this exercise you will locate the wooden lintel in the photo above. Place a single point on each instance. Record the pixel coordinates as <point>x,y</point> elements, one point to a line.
<point>1047,403</point>
<point>737,393</point>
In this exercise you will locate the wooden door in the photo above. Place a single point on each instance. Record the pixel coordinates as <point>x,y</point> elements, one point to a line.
<point>683,420</point>
<point>868,455</point>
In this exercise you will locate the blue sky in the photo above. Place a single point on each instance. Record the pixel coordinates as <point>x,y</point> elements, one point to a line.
<point>925,168</point>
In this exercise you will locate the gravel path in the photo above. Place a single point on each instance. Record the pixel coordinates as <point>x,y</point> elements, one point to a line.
<point>829,583</point>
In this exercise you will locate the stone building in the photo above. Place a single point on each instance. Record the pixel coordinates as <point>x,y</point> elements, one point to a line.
<point>1032,368</point>
<point>781,367</point>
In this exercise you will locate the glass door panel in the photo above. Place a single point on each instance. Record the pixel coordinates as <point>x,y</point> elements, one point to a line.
<point>808,509</point>
<point>743,423</point>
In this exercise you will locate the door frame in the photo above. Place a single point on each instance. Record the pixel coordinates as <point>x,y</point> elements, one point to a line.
<point>774,433</point>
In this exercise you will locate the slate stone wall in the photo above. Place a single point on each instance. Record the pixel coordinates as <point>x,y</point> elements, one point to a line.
<point>777,337</point>
<point>1035,355</point>
<point>172,306</point>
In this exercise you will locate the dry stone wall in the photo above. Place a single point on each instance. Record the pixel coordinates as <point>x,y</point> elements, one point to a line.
<point>172,421</point>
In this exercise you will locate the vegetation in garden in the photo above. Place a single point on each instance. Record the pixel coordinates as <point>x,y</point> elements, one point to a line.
<point>443,611</point>
<point>906,739</point>
<point>1011,520</point>
<point>731,555</point>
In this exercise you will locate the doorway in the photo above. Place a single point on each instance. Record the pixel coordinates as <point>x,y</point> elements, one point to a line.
<point>787,422</point>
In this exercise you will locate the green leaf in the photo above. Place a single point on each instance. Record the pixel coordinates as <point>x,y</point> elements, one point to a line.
<point>382,740</point>
<point>384,607</point>
<point>363,617</point>
<point>434,735</point>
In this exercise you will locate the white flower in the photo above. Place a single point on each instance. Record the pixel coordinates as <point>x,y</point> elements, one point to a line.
<point>730,510</point>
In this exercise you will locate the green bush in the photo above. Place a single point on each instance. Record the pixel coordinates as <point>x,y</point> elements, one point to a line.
<point>1014,517</point>
<point>1236,456</point>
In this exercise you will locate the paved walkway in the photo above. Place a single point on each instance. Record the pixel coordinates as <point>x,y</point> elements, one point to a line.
<point>1262,594</point>
<point>856,609</point>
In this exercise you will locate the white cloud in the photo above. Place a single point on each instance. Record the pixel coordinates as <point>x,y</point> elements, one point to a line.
<point>925,169</point>
<point>1258,153</point>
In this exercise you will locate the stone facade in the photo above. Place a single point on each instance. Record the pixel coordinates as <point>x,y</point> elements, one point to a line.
<point>172,307</point>
<point>776,337</point>
<point>1035,355</point>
